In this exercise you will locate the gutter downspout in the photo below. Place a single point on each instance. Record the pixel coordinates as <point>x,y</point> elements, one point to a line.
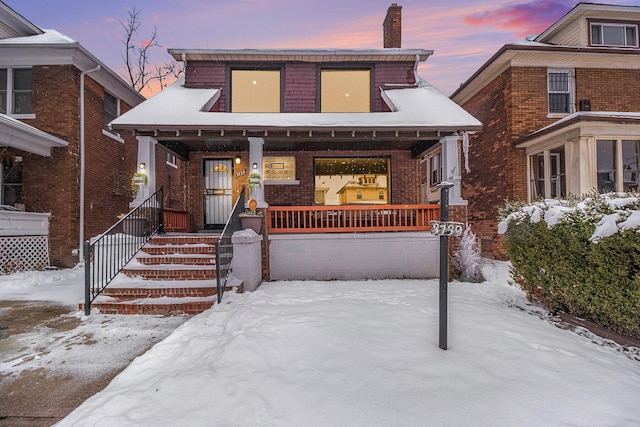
<point>82,161</point>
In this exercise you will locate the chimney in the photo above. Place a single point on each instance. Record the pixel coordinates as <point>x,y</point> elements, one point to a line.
<point>392,26</point>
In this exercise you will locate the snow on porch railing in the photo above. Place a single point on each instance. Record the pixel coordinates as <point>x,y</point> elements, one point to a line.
<point>350,218</point>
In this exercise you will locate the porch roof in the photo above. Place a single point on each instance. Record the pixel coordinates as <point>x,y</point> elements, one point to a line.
<point>601,122</point>
<point>413,107</point>
<point>16,134</point>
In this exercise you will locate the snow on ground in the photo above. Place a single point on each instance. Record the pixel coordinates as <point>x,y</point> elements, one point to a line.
<point>97,345</point>
<point>365,353</point>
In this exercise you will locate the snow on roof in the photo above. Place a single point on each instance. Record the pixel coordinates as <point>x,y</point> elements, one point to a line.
<point>176,107</point>
<point>48,37</point>
<point>17,134</point>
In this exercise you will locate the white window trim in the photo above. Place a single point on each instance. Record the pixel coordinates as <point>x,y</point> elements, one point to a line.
<point>572,91</point>
<point>9,105</point>
<point>173,164</point>
<point>619,163</point>
<point>547,170</point>
<point>113,135</point>
<point>612,24</point>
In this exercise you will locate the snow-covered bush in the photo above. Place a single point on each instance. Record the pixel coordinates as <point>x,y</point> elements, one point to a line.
<point>467,258</point>
<point>579,255</point>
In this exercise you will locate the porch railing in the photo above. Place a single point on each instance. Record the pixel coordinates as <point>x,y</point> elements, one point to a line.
<point>176,221</point>
<point>106,255</point>
<point>224,246</point>
<point>350,218</point>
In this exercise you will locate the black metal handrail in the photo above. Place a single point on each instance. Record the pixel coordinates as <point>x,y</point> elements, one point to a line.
<point>106,255</point>
<point>224,246</point>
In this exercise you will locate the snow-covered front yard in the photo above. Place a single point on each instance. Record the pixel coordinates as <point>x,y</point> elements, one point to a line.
<point>365,353</point>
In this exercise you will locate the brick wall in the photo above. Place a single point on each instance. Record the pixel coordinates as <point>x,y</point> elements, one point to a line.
<point>620,93</point>
<point>51,184</point>
<point>171,179</point>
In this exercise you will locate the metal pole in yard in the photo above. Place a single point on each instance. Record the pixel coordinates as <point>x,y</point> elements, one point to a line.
<point>444,263</point>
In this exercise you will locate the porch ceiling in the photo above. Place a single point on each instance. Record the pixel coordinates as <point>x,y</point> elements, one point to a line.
<point>287,140</point>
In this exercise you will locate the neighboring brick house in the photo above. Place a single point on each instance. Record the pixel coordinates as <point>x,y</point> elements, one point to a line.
<point>561,115</point>
<point>41,75</point>
<point>309,121</point>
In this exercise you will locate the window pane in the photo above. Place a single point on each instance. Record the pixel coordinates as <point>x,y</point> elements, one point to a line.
<point>613,35</point>
<point>341,181</point>
<point>436,170</point>
<point>558,82</point>
<point>596,34</point>
<point>22,79</point>
<point>3,91</point>
<point>558,102</point>
<point>606,166</point>
<point>558,173</point>
<point>110,109</point>
<point>632,38</point>
<point>630,154</point>
<point>255,91</point>
<point>12,183</point>
<point>345,91</point>
<point>22,103</point>
<point>22,92</point>
<point>537,176</point>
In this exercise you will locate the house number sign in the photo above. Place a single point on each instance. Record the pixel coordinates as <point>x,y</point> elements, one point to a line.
<point>447,228</point>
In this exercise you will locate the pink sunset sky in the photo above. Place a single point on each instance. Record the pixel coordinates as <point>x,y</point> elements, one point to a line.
<point>462,33</point>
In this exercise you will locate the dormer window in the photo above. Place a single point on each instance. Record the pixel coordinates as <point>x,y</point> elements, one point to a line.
<point>255,90</point>
<point>610,34</point>
<point>345,91</point>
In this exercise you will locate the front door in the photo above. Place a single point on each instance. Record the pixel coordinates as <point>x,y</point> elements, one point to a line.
<point>218,192</point>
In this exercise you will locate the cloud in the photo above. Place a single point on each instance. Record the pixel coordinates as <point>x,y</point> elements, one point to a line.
<point>523,19</point>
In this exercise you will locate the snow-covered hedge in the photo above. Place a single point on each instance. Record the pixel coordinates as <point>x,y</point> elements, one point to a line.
<point>581,256</point>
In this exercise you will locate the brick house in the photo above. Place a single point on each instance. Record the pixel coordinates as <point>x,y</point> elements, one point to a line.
<point>310,122</point>
<point>42,76</point>
<point>561,115</point>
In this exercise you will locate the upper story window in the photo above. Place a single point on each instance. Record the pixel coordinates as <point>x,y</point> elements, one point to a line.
<point>345,91</point>
<point>16,91</point>
<point>110,109</point>
<point>561,91</point>
<point>609,34</point>
<point>255,91</point>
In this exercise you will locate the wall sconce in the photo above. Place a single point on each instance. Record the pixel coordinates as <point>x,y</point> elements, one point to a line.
<point>142,166</point>
<point>254,166</point>
<point>238,160</point>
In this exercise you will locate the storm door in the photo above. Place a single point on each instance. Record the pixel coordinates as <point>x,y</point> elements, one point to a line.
<point>218,192</point>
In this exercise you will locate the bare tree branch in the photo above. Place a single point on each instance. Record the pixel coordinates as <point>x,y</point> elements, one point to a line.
<point>136,53</point>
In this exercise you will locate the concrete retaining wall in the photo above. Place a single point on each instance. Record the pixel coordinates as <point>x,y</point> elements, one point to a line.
<point>353,256</point>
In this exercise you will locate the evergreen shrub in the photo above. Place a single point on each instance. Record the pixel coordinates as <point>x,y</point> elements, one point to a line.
<point>579,256</point>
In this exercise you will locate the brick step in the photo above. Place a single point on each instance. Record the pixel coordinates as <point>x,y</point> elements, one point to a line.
<point>123,294</point>
<point>183,239</point>
<point>172,272</point>
<point>179,249</point>
<point>143,300</point>
<point>192,259</point>
<point>155,306</point>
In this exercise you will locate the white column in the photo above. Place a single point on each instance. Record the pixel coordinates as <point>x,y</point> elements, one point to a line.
<point>451,168</point>
<point>255,158</point>
<point>146,155</point>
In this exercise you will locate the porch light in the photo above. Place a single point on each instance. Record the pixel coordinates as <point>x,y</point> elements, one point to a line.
<point>238,160</point>
<point>142,166</point>
<point>254,166</point>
